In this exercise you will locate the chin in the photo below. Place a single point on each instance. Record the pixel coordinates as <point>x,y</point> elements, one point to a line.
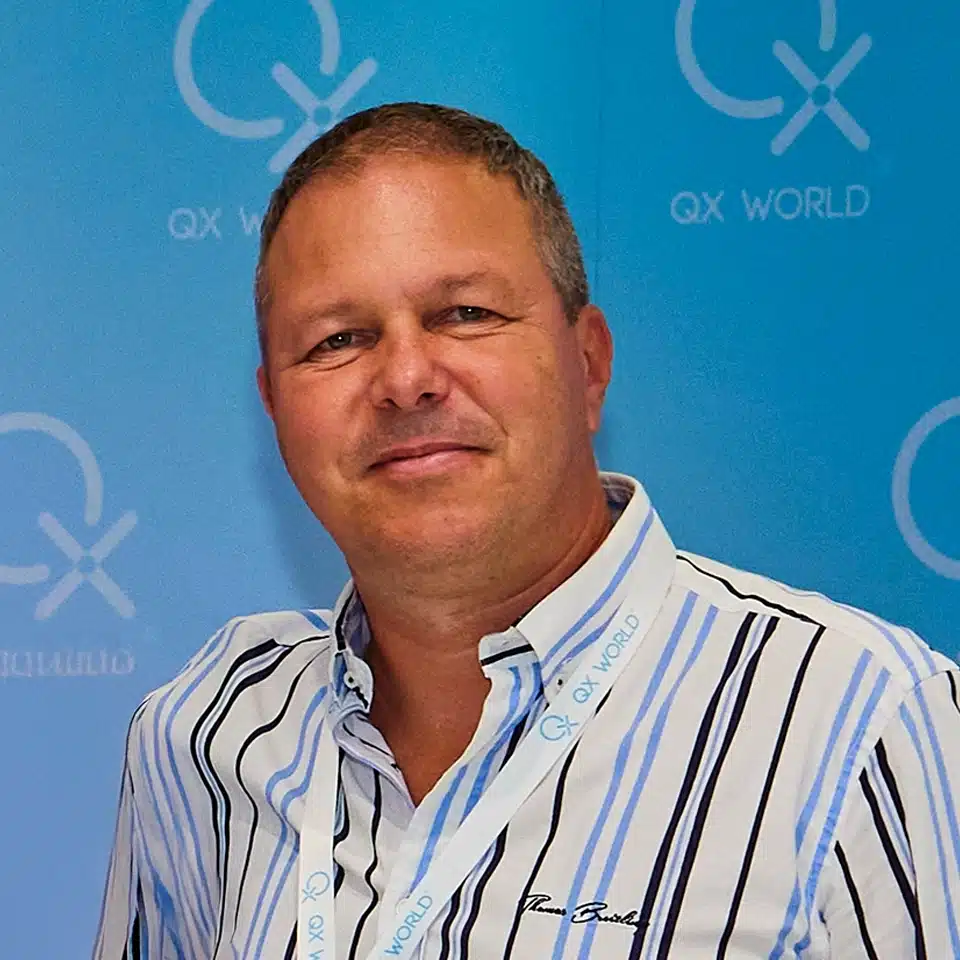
<point>438,527</point>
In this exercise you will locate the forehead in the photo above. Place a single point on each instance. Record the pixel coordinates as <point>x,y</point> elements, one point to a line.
<point>401,212</point>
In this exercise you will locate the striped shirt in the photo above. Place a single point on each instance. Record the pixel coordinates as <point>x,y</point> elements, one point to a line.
<point>773,774</point>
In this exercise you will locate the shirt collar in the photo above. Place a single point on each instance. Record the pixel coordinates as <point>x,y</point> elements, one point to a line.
<point>565,624</point>
<point>350,677</point>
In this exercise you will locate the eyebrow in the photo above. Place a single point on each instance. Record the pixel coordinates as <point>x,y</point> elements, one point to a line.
<point>458,281</point>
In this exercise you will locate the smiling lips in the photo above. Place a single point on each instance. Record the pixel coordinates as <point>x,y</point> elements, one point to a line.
<point>427,457</point>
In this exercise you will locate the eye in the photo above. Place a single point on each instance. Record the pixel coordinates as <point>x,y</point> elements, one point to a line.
<point>337,341</point>
<point>339,347</point>
<point>468,314</point>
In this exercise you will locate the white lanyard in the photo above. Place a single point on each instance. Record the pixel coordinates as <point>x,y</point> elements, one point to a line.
<point>544,746</point>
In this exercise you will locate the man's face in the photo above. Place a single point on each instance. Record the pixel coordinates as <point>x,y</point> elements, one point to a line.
<point>429,393</point>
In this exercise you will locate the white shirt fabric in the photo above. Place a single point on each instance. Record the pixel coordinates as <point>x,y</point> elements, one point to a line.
<point>773,774</point>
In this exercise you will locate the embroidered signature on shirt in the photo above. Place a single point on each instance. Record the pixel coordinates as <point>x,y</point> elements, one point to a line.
<point>593,911</point>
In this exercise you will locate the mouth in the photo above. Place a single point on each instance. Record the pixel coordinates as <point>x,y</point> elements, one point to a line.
<point>424,459</point>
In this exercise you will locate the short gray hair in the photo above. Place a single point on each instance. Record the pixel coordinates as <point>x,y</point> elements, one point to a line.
<point>438,131</point>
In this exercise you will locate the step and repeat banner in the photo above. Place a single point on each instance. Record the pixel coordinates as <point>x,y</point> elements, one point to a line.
<point>765,198</point>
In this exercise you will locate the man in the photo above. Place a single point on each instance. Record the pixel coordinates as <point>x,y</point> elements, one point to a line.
<point>529,727</point>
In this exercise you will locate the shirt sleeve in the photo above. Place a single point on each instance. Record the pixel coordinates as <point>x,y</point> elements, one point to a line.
<point>891,883</point>
<point>132,921</point>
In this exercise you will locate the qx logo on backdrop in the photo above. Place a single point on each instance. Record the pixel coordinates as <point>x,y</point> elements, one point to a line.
<point>320,113</point>
<point>916,541</point>
<point>86,563</point>
<point>821,92</point>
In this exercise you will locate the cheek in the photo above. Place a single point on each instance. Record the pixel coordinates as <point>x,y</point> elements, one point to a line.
<point>528,394</point>
<point>309,429</point>
<point>558,420</point>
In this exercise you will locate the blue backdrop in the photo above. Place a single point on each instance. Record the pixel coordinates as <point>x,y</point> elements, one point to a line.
<point>763,193</point>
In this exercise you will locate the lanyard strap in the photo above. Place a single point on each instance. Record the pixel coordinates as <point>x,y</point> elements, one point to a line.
<point>544,746</point>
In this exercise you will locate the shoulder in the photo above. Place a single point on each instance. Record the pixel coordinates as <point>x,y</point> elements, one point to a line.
<point>256,657</point>
<point>244,639</point>
<point>830,684</point>
<point>845,634</point>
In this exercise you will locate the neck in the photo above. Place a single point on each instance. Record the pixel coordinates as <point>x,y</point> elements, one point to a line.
<point>429,687</point>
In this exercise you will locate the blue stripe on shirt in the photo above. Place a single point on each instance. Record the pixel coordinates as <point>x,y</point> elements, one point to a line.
<point>911,729</point>
<point>839,795</point>
<point>616,780</point>
<point>793,907</point>
<point>436,828</point>
<point>703,773</point>
<point>214,653</point>
<point>945,787</point>
<point>653,744</point>
<point>598,604</point>
<point>281,811</point>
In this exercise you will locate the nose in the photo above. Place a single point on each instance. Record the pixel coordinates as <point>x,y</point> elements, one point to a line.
<point>410,373</point>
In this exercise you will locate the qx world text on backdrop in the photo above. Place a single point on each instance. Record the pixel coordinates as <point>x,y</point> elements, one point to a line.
<point>191,224</point>
<point>321,99</point>
<point>74,554</point>
<point>41,664</point>
<point>802,102</point>
<point>212,222</point>
<point>816,203</point>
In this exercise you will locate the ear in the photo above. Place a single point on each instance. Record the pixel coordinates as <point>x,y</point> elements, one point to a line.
<point>263,385</point>
<point>596,350</point>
